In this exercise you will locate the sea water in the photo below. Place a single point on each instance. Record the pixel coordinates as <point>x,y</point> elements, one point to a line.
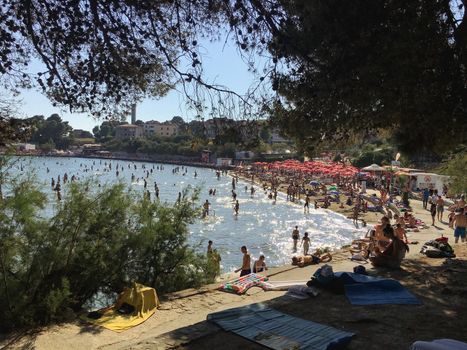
<point>263,225</point>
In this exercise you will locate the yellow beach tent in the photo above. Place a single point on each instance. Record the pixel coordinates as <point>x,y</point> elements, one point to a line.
<point>143,299</point>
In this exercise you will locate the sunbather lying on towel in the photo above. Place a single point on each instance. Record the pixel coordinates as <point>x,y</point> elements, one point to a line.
<point>313,259</point>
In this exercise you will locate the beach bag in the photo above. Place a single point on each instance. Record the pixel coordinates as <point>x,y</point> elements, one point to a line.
<point>324,275</point>
<point>445,247</point>
<point>438,252</point>
<point>360,269</point>
<point>433,252</point>
<point>442,239</point>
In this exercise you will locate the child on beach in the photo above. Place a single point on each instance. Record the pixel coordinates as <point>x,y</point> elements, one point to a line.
<point>259,265</point>
<point>400,233</point>
<point>305,243</point>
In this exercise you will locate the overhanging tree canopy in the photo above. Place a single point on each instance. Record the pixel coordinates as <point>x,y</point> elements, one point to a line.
<point>348,66</point>
<point>362,65</point>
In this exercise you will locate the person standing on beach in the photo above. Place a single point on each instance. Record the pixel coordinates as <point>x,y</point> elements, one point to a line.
<point>461,203</point>
<point>246,263</point>
<point>460,222</point>
<point>305,243</point>
<point>433,201</point>
<point>295,237</point>
<point>426,195</point>
<point>440,208</point>
<point>356,210</point>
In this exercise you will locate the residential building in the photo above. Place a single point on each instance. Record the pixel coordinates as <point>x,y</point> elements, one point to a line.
<point>128,131</point>
<point>25,147</point>
<point>217,126</point>
<point>155,128</point>
<point>248,129</point>
<point>276,137</point>
<point>82,134</point>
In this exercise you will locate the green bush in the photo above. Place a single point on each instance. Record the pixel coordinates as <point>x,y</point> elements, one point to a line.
<point>92,242</point>
<point>381,156</point>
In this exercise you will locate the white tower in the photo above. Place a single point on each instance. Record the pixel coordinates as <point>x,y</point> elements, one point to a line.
<point>133,113</point>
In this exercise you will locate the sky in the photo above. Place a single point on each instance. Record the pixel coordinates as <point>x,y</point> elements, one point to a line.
<point>222,65</point>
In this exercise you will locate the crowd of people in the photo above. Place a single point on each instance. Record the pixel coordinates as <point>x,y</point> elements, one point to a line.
<point>385,245</point>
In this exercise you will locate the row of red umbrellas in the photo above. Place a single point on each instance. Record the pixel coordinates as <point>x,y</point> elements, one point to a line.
<point>311,167</point>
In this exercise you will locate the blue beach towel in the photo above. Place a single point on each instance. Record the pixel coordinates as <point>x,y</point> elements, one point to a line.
<point>277,330</point>
<point>368,290</point>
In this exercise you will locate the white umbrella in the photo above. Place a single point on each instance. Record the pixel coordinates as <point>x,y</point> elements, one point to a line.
<point>373,167</point>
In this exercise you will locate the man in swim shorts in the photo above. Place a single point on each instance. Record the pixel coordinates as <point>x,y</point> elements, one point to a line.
<point>246,265</point>
<point>460,222</point>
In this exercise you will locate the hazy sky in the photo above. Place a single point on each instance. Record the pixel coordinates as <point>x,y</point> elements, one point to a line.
<point>222,65</point>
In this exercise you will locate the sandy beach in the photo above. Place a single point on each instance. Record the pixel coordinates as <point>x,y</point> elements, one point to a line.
<point>181,323</point>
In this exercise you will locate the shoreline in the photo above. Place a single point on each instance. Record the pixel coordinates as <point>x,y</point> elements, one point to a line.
<point>134,159</point>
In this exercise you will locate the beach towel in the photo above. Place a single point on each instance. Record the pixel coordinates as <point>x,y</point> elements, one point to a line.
<point>368,290</point>
<point>276,330</point>
<point>242,284</point>
<point>439,344</point>
<point>132,307</point>
<point>374,208</point>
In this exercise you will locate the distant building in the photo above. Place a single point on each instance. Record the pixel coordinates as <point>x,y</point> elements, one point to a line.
<point>248,129</point>
<point>155,128</point>
<point>206,156</point>
<point>217,126</point>
<point>128,131</point>
<point>276,137</point>
<point>244,155</point>
<point>224,161</point>
<point>25,147</point>
<point>82,134</point>
<point>243,129</point>
<point>91,148</point>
